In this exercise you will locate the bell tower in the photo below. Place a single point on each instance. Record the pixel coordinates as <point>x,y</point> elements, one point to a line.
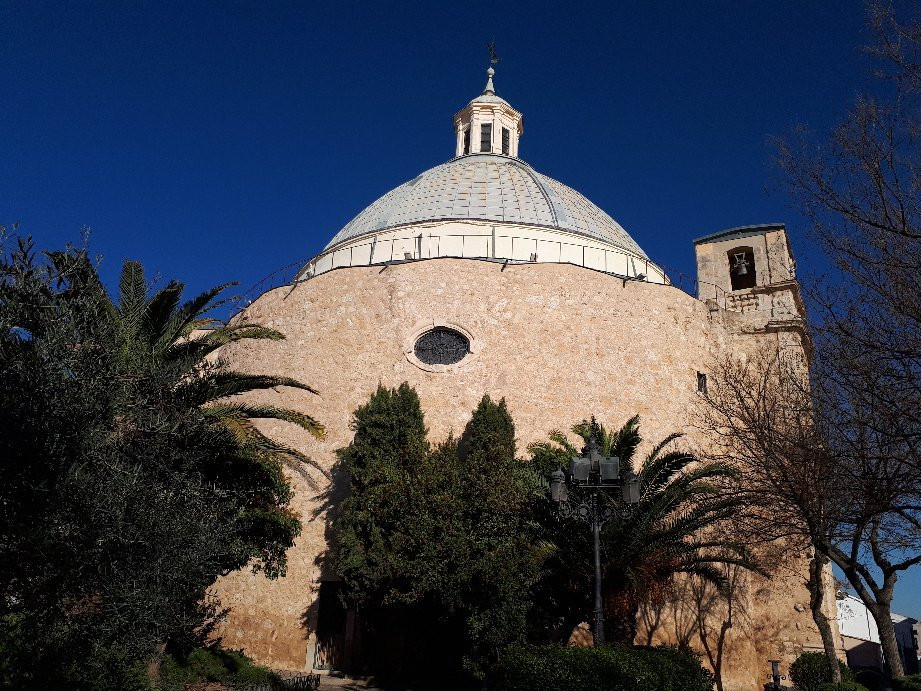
<point>488,125</point>
<point>751,270</point>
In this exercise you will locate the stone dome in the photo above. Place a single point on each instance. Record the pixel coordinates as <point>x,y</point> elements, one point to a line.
<point>488,187</point>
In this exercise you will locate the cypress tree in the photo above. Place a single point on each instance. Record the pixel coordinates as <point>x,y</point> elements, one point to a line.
<point>389,447</point>
<point>504,561</point>
<point>435,545</point>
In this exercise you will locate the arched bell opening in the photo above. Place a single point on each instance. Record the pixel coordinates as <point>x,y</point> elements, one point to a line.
<point>742,271</point>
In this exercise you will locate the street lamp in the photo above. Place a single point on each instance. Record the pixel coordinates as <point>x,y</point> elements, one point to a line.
<point>594,472</point>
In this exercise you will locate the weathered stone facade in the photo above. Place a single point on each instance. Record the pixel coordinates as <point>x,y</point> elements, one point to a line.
<point>560,343</point>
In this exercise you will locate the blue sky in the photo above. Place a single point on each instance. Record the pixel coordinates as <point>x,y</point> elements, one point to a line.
<point>220,141</point>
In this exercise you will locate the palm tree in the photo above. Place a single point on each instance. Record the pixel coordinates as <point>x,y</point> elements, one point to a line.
<point>183,339</point>
<point>672,531</point>
<point>133,471</point>
<point>157,338</point>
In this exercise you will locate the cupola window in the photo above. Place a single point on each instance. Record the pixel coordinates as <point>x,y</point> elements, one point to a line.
<point>486,137</point>
<point>742,268</point>
<point>487,125</point>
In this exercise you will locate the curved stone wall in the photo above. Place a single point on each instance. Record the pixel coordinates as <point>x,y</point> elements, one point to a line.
<point>559,342</point>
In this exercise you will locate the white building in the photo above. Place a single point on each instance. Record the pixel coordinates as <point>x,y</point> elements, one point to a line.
<point>860,636</point>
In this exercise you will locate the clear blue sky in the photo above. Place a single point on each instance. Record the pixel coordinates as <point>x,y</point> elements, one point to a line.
<point>219,141</point>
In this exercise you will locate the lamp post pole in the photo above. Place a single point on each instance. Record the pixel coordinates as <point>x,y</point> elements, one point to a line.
<point>598,636</point>
<point>594,472</point>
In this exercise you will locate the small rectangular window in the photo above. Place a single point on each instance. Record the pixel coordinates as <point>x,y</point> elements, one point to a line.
<point>467,141</point>
<point>702,382</point>
<point>505,140</point>
<point>486,137</point>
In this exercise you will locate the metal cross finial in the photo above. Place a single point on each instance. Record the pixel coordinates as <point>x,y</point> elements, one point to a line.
<point>493,58</point>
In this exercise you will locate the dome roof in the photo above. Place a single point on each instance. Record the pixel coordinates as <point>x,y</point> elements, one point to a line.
<point>488,187</point>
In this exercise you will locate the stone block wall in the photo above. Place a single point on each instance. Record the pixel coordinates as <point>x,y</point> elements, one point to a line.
<point>560,343</point>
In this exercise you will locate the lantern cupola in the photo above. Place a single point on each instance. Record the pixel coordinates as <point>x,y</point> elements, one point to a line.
<point>488,125</point>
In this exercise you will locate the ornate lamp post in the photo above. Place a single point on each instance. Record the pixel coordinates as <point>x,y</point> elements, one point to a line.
<point>594,473</point>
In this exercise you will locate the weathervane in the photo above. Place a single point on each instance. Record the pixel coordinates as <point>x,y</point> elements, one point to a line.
<point>493,58</point>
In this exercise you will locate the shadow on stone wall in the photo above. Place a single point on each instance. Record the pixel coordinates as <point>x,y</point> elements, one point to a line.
<point>326,624</point>
<point>717,625</point>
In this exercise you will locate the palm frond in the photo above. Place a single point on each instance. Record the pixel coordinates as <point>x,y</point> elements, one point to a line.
<point>658,448</point>
<point>222,384</point>
<point>186,318</point>
<point>132,295</point>
<point>678,525</point>
<point>251,411</point>
<point>202,303</point>
<point>206,343</point>
<point>558,437</point>
<point>658,471</point>
<point>160,309</point>
<point>625,441</point>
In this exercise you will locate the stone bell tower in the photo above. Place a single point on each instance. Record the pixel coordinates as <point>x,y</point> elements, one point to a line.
<point>750,273</point>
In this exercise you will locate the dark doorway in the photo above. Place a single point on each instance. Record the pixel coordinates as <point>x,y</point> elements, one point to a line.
<point>332,618</point>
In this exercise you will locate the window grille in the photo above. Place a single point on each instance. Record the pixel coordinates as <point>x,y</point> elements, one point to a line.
<point>442,346</point>
<point>467,140</point>
<point>506,136</point>
<point>702,382</point>
<point>486,137</point>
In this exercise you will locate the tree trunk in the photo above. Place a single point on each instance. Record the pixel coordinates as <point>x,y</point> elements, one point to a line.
<point>878,600</point>
<point>883,616</point>
<point>621,609</point>
<point>816,600</point>
<point>153,667</point>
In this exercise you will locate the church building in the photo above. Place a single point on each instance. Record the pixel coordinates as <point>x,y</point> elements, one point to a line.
<point>483,276</point>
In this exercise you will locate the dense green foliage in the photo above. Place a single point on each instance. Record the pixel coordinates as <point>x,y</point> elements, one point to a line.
<point>434,544</point>
<point>211,664</point>
<point>614,668</point>
<point>810,671</point>
<point>843,686</point>
<point>909,683</point>
<point>127,482</point>
<point>673,530</point>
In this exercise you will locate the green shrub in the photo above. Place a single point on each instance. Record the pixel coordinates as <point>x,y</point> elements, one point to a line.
<point>211,664</point>
<point>616,668</point>
<point>909,683</point>
<point>811,670</point>
<point>843,686</point>
<point>871,678</point>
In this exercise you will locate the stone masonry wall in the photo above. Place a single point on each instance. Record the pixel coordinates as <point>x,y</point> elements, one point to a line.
<point>560,343</point>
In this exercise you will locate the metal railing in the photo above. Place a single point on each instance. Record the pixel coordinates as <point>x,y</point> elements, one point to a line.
<point>420,248</point>
<point>512,248</point>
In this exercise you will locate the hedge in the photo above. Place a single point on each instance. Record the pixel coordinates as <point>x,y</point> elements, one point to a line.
<point>811,671</point>
<point>211,664</point>
<point>614,668</point>
<point>909,683</point>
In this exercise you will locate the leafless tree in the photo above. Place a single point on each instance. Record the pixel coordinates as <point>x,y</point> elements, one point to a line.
<point>759,412</point>
<point>862,194</point>
<point>816,477</point>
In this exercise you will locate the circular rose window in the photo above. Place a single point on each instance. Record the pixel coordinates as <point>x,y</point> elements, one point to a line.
<point>441,346</point>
